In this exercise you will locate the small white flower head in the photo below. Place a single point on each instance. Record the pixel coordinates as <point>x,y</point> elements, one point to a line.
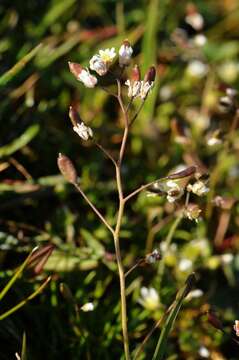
<point>226,258</point>
<point>149,298</point>
<point>192,212</point>
<point>125,53</point>
<point>145,88</point>
<point>204,352</point>
<point>153,257</point>
<point>88,307</point>
<point>100,63</point>
<point>213,141</point>
<point>197,69</point>
<point>134,88</point>
<point>199,40</point>
<point>83,131</point>
<point>174,191</point>
<point>236,327</point>
<point>185,265</point>
<point>195,20</point>
<point>198,188</point>
<point>195,294</point>
<point>82,75</point>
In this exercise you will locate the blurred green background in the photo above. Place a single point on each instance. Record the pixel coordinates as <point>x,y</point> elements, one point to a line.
<point>38,207</point>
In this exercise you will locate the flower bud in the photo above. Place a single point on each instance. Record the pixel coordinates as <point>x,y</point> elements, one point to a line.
<point>75,69</point>
<point>150,74</point>
<point>67,168</point>
<point>135,74</point>
<point>125,53</point>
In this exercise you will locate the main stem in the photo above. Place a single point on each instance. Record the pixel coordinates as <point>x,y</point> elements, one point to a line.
<point>118,227</point>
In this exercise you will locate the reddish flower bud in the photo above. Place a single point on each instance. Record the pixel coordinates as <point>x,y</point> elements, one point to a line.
<point>135,74</point>
<point>40,257</point>
<point>75,69</point>
<point>67,168</point>
<point>150,74</point>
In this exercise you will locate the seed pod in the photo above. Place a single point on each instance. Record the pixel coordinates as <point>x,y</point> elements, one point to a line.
<point>184,173</point>
<point>135,75</point>
<point>74,116</point>
<point>67,168</point>
<point>150,74</point>
<point>75,68</point>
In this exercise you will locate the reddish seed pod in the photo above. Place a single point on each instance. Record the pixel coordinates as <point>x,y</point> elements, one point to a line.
<point>74,116</point>
<point>67,168</point>
<point>184,173</point>
<point>135,75</point>
<point>150,74</point>
<point>75,68</point>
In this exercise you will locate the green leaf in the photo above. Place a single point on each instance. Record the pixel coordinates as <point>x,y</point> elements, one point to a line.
<point>21,141</point>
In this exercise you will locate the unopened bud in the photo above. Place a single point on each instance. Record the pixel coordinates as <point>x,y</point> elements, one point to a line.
<point>75,69</point>
<point>67,168</point>
<point>153,257</point>
<point>150,74</point>
<point>183,173</point>
<point>135,74</point>
<point>125,53</point>
<point>39,258</point>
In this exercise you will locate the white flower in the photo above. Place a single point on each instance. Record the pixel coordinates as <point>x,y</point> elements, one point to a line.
<point>236,327</point>
<point>174,191</point>
<point>212,141</point>
<point>100,62</point>
<point>192,212</point>
<point>200,40</point>
<point>107,55</point>
<point>204,352</point>
<point>125,53</point>
<point>195,20</point>
<point>153,257</point>
<point>134,88</point>
<point>197,69</point>
<point>194,294</point>
<point>83,131</point>
<point>185,265</point>
<point>227,258</point>
<point>88,80</point>
<point>88,307</point>
<point>149,298</point>
<point>146,87</point>
<point>17,356</point>
<point>98,65</point>
<point>198,188</point>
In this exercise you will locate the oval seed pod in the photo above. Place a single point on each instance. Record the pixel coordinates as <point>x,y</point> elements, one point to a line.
<point>67,168</point>
<point>184,173</point>
<point>135,74</point>
<point>74,116</point>
<point>150,74</point>
<point>75,68</point>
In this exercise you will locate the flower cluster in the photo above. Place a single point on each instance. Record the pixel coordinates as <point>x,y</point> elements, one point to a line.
<point>141,88</point>
<point>100,63</point>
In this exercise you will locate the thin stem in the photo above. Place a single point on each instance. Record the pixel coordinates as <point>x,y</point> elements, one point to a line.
<point>143,187</point>
<point>118,227</point>
<point>94,208</point>
<point>106,152</point>
<point>134,267</point>
<point>137,113</point>
<point>108,92</point>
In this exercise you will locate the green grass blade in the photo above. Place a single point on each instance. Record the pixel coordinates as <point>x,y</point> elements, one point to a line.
<point>161,345</point>
<point>21,141</point>
<point>11,73</point>
<point>24,347</point>
<point>15,276</point>
<point>23,302</point>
